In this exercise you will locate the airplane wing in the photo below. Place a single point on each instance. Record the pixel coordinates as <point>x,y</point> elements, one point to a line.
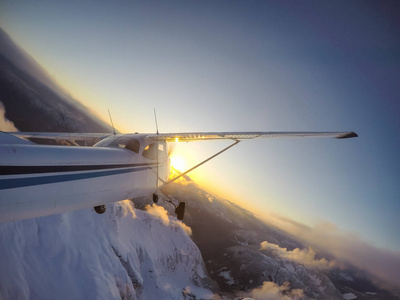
<point>201,136</point>
<point>186,137</point>
<point>92,138</point>
<point>62,136</point>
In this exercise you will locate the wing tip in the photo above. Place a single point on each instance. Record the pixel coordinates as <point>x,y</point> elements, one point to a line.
<point>348,135</point>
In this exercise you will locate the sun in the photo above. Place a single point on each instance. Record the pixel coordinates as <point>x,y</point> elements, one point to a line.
<point>178,163</point>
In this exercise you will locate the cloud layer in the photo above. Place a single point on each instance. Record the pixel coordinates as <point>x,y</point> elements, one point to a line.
<point>272,291</point>
<point>305,257</point>
<point>382,264</point>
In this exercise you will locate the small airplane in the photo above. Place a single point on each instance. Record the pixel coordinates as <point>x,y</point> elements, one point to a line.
<point>39,180</point>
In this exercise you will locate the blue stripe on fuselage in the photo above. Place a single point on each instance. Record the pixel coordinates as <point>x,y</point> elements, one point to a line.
<point>30,181</point>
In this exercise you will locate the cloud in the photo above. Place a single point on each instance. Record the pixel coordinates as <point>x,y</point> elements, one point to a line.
<point>158,212</point>
<point>187,291</point>
<point>126,207</point>
<point>161,213</point>
<point>382,264</point>
<point>5,124</point>
<point>272,291</point>
<point>184,227</point>
<point>305,257</point>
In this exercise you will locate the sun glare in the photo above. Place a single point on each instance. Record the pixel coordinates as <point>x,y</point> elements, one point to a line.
<point>178,163</point>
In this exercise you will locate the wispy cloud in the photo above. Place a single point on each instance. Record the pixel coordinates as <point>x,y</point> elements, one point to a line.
<point>185,228</point>
<point>5,124</point>
<point>382,264</point>
<point>161,213</point>
<point>305,257</point>
<point>126,208</point>
<point>158,212</point>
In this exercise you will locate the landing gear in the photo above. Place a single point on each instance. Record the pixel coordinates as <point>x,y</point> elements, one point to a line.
<point>180,211</point>
<point>101,209</point>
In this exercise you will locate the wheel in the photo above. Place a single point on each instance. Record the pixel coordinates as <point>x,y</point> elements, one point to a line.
<point>155,198</point>
<point>101,209</point>
<point>180,211</point>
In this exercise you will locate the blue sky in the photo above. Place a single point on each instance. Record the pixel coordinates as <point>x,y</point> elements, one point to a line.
<point>242,66</point>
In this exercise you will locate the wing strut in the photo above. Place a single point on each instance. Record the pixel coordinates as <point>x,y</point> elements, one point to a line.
<point>180,209</point>
<point>203,162</point>
<point>155,196</point>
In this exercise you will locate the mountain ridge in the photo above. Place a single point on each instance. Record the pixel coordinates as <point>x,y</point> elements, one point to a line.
<point>34,101</point>
<point>123,254</point>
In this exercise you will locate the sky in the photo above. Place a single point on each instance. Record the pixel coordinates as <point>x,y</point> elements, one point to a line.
<point>245,66</point>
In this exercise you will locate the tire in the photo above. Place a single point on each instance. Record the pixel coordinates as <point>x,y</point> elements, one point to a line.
<point>101,209</point>
<point>180,211</point>
<point>155,198</point>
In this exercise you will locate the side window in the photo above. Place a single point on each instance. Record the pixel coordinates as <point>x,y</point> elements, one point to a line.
<point>150,152</point>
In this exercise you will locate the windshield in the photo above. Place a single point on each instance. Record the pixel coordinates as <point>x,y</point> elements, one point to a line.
<point>128,143</point>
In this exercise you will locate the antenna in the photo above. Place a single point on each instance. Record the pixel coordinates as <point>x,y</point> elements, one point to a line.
<point>112,124</point>
<point>63,119</point>
<point>155,117</point>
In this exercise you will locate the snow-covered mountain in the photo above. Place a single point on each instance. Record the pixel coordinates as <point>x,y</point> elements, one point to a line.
<point>230,237</point>
<point>130,253</point>
<point>243,253</point>
<point>123,254</point>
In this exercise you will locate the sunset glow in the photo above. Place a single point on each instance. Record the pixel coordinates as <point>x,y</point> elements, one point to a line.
<point>178,163</point>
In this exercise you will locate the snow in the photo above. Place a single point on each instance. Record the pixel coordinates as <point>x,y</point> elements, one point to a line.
<point>317,281</point>
<point>228,277</point>
<point>122,254</point>
<point>349,296</point>
<point>345,276</point>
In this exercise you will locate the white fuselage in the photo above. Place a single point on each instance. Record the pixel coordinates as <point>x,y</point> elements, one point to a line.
<point>38,180</point>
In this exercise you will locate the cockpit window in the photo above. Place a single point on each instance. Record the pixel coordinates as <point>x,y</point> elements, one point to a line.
<point>128,143</point>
